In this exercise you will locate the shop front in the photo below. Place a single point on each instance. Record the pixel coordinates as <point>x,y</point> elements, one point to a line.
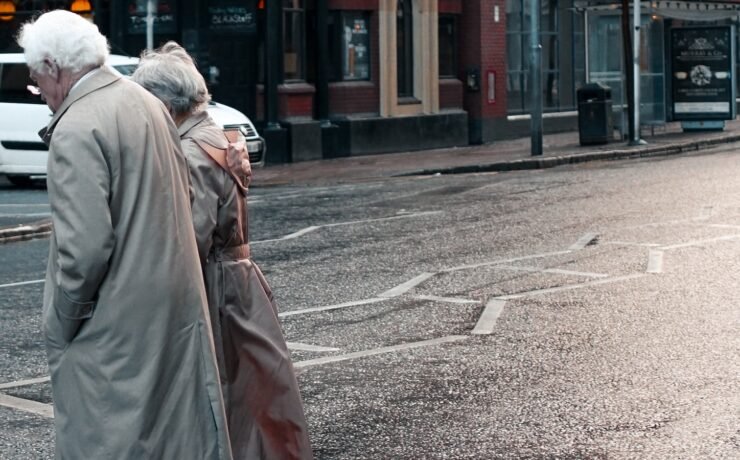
<point>659,21</point>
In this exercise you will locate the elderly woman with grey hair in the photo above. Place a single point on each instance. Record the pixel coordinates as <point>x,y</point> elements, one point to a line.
<point>133,368</point>
<point>262,399</point>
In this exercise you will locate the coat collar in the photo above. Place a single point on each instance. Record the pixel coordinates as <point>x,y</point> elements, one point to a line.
<point>191,122</point>
<point>102,77</point>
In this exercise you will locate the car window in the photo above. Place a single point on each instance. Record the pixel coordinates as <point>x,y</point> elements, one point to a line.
<point>14,81</point>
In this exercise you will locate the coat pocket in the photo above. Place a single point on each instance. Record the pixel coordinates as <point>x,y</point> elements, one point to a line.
<point>69,316</point>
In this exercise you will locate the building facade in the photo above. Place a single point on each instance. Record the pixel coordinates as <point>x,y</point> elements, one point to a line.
<point>332,78</point>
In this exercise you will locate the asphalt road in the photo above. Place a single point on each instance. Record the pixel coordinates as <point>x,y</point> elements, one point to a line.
<point>576,312</point>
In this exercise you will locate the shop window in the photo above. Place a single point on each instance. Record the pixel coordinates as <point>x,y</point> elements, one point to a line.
<point>355,49</point>
<point>563,51</point>
<point>405,48</point>
<point>447,46</point>
<point>294,23</point>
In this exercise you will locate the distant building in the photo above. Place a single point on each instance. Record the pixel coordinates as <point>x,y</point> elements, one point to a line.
<point>397,75</point>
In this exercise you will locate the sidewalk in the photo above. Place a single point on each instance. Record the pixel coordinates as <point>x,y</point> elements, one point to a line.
<point>558,149</point>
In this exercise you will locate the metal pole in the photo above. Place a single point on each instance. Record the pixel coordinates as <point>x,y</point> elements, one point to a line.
<point>628,98</point>
<point>272,57</point>
<point>636,71</point>
<point>150,6</point>
<point>322,62</point>
<point>535,77</point>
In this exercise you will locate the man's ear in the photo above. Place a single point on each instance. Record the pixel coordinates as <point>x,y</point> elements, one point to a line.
<point>52,69</point>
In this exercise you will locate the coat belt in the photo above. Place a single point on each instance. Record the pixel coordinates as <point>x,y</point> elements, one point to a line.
<point>232,253</point>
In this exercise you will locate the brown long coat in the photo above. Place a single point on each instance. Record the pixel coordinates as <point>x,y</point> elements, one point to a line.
<point>263,402</point>
<point>131,356</point>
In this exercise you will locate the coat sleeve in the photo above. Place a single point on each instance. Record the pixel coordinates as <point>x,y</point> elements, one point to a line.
<point>205,196</point>
<point>79,189</point>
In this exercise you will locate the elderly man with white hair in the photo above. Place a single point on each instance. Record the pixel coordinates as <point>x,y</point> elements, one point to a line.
<point>133,368</point>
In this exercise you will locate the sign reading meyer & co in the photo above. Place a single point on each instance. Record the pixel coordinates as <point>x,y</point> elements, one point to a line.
<point>702,73</point>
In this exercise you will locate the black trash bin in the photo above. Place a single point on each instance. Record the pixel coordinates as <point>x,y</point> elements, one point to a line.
<point>594,114</point>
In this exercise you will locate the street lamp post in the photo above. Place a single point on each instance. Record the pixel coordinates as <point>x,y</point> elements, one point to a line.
<point>535,77</point>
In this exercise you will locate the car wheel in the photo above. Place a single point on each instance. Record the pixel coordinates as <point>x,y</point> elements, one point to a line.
<point>21,181</point>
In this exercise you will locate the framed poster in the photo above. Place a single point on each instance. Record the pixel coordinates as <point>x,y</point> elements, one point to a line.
<point>703,73</point>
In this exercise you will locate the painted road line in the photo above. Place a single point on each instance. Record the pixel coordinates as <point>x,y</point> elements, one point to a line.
<point>735,227</point>
<point>381,219</point>
<point>354,303</point>
<point>630,243</point>
<point>29,214</point>
<point>407,286</point>
<point>435,298</point>
<point>337,224</point>
<point>488,318</point>
<point>45,410</point>
<point>503,261</point>
<point>19,205</point>
<point>556,271</point>
<point>23,383</point>
<point>655,261</point>
<point>700,242</point>
<point>21,283</point>
<point>377,351</point>
<point>570,287</point>
<point>300,232</point>
<point>309,347</point>
<point>583,241</point>
<point>559,271</point>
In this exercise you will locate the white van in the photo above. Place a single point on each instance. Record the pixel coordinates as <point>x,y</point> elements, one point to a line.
<point>22,153</point>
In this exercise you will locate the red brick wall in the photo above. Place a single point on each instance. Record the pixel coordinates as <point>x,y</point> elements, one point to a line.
<point>450,6</point>
<point>295,100</point>
<point>483,46</point>
<point>353,5</point>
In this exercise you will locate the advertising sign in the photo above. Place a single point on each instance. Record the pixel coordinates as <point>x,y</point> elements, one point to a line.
<point>702,73</point>
<point>233,17</point>
<point>165,18</point>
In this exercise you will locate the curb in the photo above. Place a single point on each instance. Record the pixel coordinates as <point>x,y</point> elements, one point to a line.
<point>42,229</point>
<point>550,162</point>
<point>24,232</point>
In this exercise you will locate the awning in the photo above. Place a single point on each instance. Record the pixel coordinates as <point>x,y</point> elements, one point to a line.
<point>676,9</point>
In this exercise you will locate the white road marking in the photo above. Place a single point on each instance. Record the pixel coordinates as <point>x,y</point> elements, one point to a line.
<point>569,287</point>
<point>556,271</point>
<point>337,224</point>
<point>724,226</point>
<point>435,298</point>
<point>407,286</point>
<point>503,261</point>
<point>29,214</point>
<point>21,283</point>
<point>655,262</point>
<point>629,243</point>
<point>583,241</point>
<point>45,410</point>
<point>488,318</point>
<point>377,351</point>
<point>20,205</point>
<point>23,383</point>
<point>700,242</point>
<point>309,347</point>
<point>354,303</point>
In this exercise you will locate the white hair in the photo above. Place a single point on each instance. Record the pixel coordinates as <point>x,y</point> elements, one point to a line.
<point>65,38</point>
<point>171,75</point>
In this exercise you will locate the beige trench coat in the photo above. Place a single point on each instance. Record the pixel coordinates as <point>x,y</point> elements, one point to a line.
<point>131,355</point>
<point>263,402</point>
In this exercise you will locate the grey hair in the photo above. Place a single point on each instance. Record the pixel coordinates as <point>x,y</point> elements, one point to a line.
<point>65,38</point>
<point>170,74</point>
